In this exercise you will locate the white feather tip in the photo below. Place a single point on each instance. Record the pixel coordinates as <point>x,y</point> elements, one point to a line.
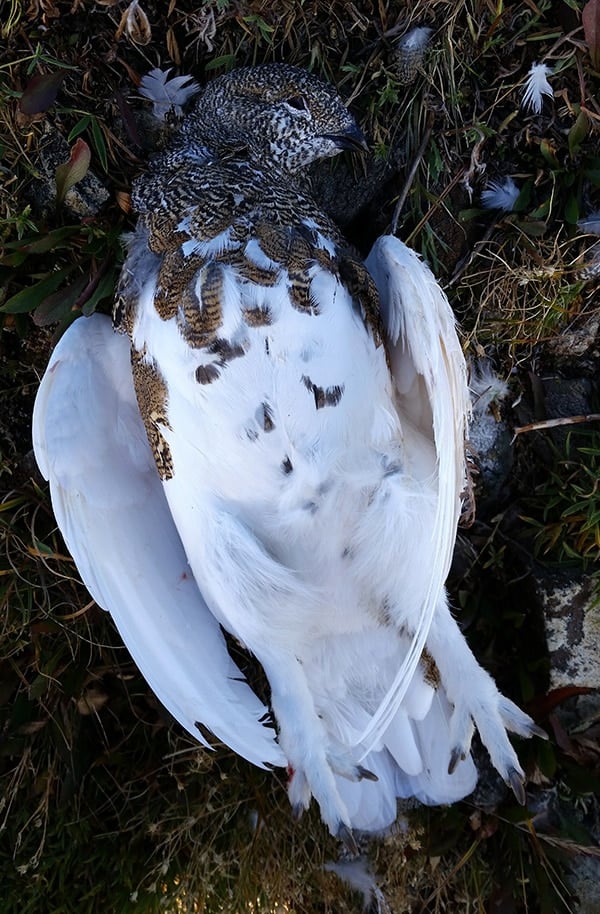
<point>416,39</point>
<point>590,224</point>
<point>536,86</point>
<point>166,93</point>
<point>500,195</point>
<point>486,386</point>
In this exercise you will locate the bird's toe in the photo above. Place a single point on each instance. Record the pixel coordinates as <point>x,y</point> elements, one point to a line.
<point>346,836</point>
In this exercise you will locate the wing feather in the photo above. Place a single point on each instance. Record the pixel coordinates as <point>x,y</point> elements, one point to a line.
<point>430,378</point>
<point>90,442</point>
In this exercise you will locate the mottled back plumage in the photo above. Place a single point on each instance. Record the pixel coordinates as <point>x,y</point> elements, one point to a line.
<point>306,416</point>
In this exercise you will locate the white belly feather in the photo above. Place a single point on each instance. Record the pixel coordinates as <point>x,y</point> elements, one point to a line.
<point>298,442</point>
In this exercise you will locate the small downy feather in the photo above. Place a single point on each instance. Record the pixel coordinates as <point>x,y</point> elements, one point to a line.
<point>500,195</point>
<point>536,86</point>
<point>410,52</point>
<point>486,386</point>
<point>357,875</point>
<point>590,224</point>
<point>166,93</point>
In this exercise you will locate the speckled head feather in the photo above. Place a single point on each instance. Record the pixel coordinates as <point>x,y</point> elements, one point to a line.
<point>283,116</point>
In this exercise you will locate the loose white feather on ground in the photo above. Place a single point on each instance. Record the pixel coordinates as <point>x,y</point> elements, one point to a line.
<point>536,86</point>
<point>502,195</point>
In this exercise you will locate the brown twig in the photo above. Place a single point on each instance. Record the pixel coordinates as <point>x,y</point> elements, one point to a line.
<point>412,172</point>
<point>438,202</point>
<point>554,423</point>
<point>468,259</point>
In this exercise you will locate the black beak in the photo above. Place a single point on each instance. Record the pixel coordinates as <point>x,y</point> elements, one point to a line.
<point>353,139</point>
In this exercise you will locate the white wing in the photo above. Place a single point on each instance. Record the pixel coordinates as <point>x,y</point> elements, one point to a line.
<point>90,443</point>
<point>430,378</point>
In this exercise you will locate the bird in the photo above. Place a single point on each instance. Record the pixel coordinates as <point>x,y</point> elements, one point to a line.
<point>268,440</point>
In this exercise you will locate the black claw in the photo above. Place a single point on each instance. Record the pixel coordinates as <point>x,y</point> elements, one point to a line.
<point>297,811</point>
<point>516,782</point>
<point>457,755</point>
<point>365,775</point>
<point>347,838</point>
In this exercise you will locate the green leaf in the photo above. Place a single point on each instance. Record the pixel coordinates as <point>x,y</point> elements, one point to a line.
<point>578,132</point>
<point>39,686</point>
<point>13,260</point>
<point>57,238</point>
<point>99,144</point>
<point>79,128</point>
<point>467,215</point>
<point>546,758</point>
<point>227,61</point>
<point>534,229</point>
<point>572,210</point>
<point>104,289</point>
<point>42,547</point>
<point>548,151</point>
<point>541,211</point>
<point>522,201</point>
<point>54,307</point>
<point>29,298</point>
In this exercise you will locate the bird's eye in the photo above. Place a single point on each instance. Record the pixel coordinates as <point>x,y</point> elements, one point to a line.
<point>297,102</point>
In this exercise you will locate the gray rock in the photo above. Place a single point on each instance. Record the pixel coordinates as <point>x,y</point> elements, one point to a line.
<point>584,881</point>
<point>490,436</point>
<point>578,347</point>
<point>571,614</point>
<point>572,623</point>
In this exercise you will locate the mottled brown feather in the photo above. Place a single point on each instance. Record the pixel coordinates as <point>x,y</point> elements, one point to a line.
<point>431,674</point>
<point>152,397</point>
<point>176,280</point>
<point>200,319</point>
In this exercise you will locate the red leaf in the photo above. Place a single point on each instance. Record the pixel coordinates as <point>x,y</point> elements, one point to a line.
<point>544,704</point>
<point>590,17</point>
<point>74,170</point>
<point>40,92</point>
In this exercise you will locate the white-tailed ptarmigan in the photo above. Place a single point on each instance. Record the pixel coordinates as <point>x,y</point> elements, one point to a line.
<point>273,442</point>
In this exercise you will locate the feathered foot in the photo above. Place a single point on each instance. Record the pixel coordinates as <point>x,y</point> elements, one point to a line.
<point>311,767</point>
<point>477,703</point>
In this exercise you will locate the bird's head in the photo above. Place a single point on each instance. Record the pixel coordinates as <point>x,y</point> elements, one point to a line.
<point>284,116</point>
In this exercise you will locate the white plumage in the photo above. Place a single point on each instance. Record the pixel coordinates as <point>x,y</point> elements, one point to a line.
<point>312,472</point>
<point>502,195</point>
<point>536,86</point>
<point>167,93</point>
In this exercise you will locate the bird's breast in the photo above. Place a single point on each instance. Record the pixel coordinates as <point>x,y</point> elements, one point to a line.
<point>259,353</point>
